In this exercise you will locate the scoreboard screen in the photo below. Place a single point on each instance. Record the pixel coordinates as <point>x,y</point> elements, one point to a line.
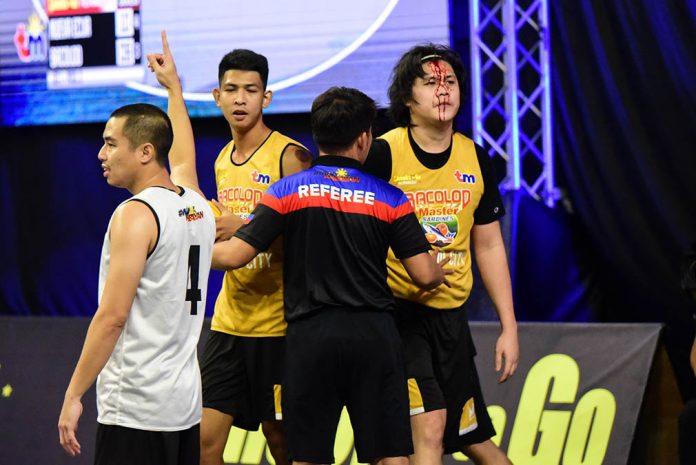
<point>93,43</point>
<point>75,61</point>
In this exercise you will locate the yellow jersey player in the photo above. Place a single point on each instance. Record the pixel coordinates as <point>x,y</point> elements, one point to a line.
<point>241,364</point>
<point>449,181</point>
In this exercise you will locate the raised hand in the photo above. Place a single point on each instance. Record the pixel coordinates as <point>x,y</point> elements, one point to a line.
<point>163,65</point>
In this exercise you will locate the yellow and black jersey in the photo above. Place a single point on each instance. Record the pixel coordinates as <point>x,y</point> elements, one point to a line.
<point>450,192</point>
<point>250,302</point>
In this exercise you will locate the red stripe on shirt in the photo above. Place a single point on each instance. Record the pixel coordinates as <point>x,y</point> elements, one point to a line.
<point>378,209</point>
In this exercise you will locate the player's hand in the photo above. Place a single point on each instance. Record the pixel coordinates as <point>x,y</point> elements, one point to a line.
<point>67,425</point>
<point>164,67</point>
<point>226,224</point>
<point>436,253</point>
<point>507,353</point>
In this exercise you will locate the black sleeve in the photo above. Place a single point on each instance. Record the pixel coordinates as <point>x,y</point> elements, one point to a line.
<point>379,160</point>
<point>490,207</point>
<point>407,237</point>
<point>265,225</point>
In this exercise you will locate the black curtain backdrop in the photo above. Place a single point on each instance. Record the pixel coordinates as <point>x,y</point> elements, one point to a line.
<point>624,91</point>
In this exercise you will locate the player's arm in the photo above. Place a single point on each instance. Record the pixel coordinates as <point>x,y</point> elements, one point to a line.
<point>265,224</point>
<point>182,156</point>
<point>294,159</point>
<point>425,271</point>
<point>133,233</point>
<point>232,254</point>
<point>491,259</point>
<point>226,222</point>
<point>413,250</point>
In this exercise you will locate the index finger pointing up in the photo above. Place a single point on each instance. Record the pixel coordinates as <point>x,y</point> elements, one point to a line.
<point>165,43</point>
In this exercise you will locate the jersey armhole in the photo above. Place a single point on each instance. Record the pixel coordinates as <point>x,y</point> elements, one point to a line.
<point>282,156</point>
<point>154,247</point>
<point>379,160</point>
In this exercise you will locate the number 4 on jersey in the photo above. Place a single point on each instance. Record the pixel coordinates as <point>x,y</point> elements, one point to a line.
<point>193,293</point>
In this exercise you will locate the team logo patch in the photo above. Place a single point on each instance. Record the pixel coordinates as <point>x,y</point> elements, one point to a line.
<point>190,213</point>
<point>340,174</point>
<point>406,179</point>
<point>440,230</point>
<point>260,178</point>
<point>465,178</point>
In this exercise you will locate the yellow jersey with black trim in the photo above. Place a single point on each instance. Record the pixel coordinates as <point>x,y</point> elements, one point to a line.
<point>250,302</point>
<point>444,200</point>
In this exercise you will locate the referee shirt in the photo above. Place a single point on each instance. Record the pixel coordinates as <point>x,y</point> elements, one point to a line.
<point>338,223</point>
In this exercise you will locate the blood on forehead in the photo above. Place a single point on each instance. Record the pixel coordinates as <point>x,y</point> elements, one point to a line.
<point>437,67</point>
<point>442,90</point>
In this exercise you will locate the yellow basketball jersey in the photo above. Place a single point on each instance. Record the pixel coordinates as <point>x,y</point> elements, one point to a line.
<point>445,200</point>
<point>250,302</point>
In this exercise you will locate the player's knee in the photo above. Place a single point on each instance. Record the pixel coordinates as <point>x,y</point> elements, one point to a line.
<point>428,430</point>
<point>212,443</point>
<point>275,437</point>
<point>430,438</point>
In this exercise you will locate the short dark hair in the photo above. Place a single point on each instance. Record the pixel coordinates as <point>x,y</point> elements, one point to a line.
<point>339,116</point>
<point>244,60</point>
<point>147,123</point>
<point>410,67</point>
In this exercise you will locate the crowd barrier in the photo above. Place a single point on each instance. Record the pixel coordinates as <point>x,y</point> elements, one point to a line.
<point>583,394</point>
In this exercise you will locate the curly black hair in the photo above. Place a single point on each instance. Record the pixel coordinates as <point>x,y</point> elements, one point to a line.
<point>410,67</point>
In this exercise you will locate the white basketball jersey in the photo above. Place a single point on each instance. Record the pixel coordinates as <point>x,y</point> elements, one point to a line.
<point>152,380</point>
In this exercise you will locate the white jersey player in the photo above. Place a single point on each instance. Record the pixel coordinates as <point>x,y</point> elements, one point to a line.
<point>155,263</point>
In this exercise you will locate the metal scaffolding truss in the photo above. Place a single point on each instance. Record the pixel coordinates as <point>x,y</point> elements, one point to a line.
<point>511,93</point>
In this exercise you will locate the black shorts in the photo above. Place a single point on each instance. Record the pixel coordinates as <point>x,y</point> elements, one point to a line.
<point>241,377</point>
<point>118,445</point>
<point>348,358</point>
<point>441,372</point>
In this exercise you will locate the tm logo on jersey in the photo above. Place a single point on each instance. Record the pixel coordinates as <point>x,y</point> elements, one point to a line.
<point>465,178</point>
<point>190,213</point>
<point>260,178</point>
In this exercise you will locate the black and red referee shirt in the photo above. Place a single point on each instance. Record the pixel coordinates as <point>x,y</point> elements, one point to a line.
<point>338,223</point>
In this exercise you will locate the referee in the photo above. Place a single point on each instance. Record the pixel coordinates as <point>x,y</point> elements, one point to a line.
<point>343,348</point>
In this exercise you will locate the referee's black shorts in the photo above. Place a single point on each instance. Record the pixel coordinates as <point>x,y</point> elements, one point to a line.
<point>348,358</point>
<point>242,376</point>
<point>441,372</point>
